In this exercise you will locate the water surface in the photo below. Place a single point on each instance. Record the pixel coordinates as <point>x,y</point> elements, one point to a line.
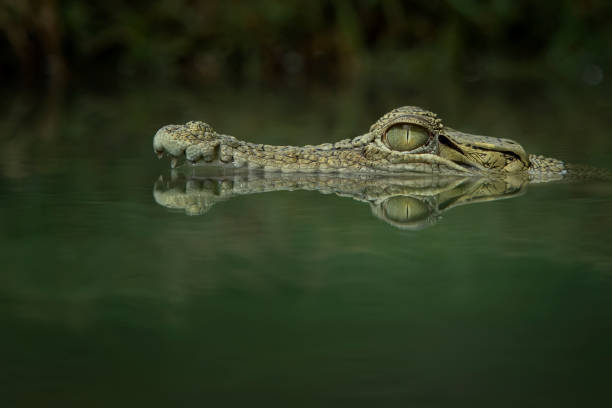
<point>297,298</point>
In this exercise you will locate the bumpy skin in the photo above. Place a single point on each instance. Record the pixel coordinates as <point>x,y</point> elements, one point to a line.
<point>447,151</point>
<point>409,203</point>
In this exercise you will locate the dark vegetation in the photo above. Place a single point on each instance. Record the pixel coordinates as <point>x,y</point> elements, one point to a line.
<point>202,40</point>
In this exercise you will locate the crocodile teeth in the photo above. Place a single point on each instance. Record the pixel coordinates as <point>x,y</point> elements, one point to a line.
<point>160,154</point>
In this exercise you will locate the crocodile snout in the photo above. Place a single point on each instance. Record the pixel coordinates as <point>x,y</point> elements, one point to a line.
<point>166,140</point>
<point>192,141</point>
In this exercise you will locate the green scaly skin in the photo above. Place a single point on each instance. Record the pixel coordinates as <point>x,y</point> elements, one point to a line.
<point>446,152</point>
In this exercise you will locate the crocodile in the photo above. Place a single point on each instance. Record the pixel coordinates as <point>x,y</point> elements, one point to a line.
<point>405,140</point>
<point>409,203</point>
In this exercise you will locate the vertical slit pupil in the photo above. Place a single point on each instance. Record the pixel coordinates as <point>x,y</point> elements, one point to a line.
<point>405,137</point>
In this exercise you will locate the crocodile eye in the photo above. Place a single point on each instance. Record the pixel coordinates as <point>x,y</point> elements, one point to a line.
<point>404,137</point>
<point>405,209</point>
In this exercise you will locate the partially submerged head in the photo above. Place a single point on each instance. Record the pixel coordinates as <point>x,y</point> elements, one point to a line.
<point>406,140</point>
<point>409,133</point>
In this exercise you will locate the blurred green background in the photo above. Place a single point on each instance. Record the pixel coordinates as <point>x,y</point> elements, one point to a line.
<point>199,40</point>
<point>297,298</point>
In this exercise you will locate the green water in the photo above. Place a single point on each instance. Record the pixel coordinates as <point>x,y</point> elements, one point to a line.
<point>297,298</point>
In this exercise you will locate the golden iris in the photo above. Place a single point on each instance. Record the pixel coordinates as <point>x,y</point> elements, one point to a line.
<point>405,209</point>
<point>404,137</point>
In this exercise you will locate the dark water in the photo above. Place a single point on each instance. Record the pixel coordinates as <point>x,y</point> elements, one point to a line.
<point>297,298</point>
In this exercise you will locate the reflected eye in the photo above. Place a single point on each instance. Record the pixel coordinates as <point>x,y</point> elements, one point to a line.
<point>404,137</point>
<point>405,209</point>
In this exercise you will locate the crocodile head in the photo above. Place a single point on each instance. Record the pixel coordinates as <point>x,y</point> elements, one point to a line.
<point>407,139</point>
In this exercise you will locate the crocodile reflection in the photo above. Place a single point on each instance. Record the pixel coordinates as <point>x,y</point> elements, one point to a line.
<point>407,203</point>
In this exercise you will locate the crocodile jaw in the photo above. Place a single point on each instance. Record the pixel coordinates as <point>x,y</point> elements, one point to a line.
<point>199,144</point>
